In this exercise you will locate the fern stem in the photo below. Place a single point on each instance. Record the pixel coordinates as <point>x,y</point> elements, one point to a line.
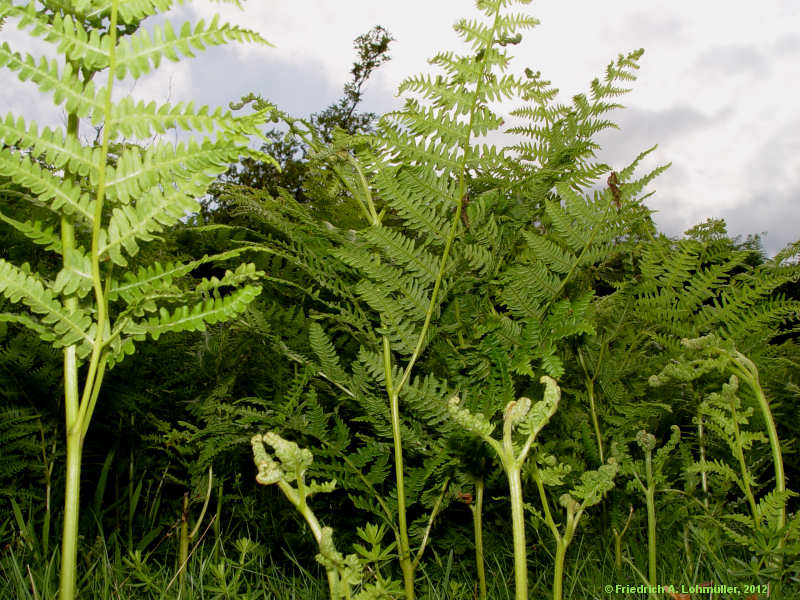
<point>749,373</point>
<point>94,375</point>
<point>434,511</point>
<point>590,393</point>
<point>298,498</point>
<point>558,570</point>
<point>548,517</point>
<point>76,415</point>
<point>69,538</point>
<point>69,542</point>
<point>477,526</point>
<point>394,402</point>
<point>372,214</point>
<point>701,441</point>
<point>650,493</point>
<point>518,532</point>
<point>618,542</point>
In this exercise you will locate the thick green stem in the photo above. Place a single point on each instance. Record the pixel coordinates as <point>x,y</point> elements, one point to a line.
<point>183,550</point>
<point>69,539</point>
<point>298,499</point>
<point>477,525</point>
<point>558,573</point>
<point>69,542</point>
<point>651,534</point>
<point>78,414</point>
<point>772,432</point>
<point>404,548</point>
<point>518,529</point>
<point>617,550</point>
<point>650,493</point>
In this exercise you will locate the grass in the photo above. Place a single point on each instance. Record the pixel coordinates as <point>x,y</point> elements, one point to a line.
<point>242,569</point>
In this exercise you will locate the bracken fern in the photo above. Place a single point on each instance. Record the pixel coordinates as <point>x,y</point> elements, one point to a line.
<point>107,198</point>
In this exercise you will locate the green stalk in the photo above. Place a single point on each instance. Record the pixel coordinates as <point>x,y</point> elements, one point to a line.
<point>69,549</point>
<point>617,550</point>
<point>518,529</point>
<point>69,541</point>
<point>590,393</point>
<point>78,412</point>
<point>477,526</point>
<point>558,571</point>
<point>513,467</point>
<point>650,493</point>
<point>618,535</point>
<point>183,546</point>
<point>595,422</point>
<point>701,441</point>
<point>298,498</point>
<point>748,371</point>
<point>404,548</point>
<point>434,512</point>
<point>561,541</point>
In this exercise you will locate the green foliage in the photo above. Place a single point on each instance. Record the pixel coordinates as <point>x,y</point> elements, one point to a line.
<point>401,263</point>
<point>107,198</point>
<point>295,172</point>
<point>765,530</point>
<point>344,572</point>
<point>123,188</point>
<point>19,430</point>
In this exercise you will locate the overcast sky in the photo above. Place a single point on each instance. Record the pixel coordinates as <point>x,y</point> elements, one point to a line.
<point>717,89</point>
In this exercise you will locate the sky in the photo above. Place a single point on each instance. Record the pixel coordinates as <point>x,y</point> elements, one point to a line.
<point>717,88</point>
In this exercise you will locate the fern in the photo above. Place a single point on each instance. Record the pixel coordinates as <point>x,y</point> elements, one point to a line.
<point>728,418</point>
<point>110,198</point>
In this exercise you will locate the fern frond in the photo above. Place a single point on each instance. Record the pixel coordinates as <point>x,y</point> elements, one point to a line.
<point>773,504</point>
<point>555,257</point>
<point>717,467</point>
<point>400,249</point>
<point>78,98</point>
<point>194,318</point>
<point>60,193</point>
<point>27,321</point>
<point>419,200</point>
<point>159,277</point>
<point>130,118</point>
<point>52,146</point>
<point>139,53</point>
<point>66,328</point>
<point>326,353</point>
<point>76,275</point>
<point>242,274</point>
<point>73,41</point>
<point>138,171</point>
<point>152,212</point>
<point>36,231</point>
<point>130,11</point>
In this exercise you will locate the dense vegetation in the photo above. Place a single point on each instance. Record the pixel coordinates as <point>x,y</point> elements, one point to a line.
<point>377,357</point>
